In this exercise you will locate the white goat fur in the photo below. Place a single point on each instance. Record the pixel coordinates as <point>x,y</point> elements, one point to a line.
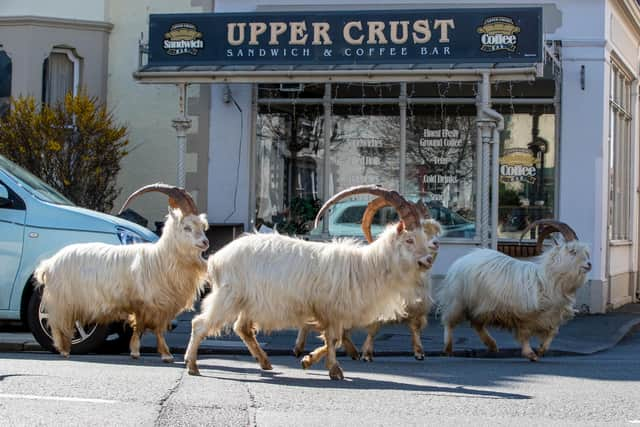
<point>147,284</point>
<point>530,298</point>
<point>271,282</point>
<point>414,315</point>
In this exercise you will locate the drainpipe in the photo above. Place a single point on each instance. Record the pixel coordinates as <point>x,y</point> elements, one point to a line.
<point>181,124</point>
<point>326,104</point>
<point>490,124</point>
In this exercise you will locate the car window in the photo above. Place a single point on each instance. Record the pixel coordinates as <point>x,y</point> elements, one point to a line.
<point>352,214</point>
<point>33,184</point>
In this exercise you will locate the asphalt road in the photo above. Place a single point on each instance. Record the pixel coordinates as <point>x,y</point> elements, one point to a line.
<point>43,389</point>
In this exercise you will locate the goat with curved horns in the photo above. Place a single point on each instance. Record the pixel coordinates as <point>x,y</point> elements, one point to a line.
<point>147,284</point>
<point>272,282</point>
<point>416,307</point>
<point>530,298</point>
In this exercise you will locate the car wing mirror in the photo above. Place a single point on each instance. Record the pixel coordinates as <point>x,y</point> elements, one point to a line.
<point>5,201</point>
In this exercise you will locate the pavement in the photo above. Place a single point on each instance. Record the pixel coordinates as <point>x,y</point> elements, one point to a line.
<point>583,335</point>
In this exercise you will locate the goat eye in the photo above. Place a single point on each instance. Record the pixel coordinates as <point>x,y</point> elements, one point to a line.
<point>409,241</point>
<point>573,252</point>
<point>187,229</point>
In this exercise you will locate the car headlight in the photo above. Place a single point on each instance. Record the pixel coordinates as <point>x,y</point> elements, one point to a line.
<point>128,237</point>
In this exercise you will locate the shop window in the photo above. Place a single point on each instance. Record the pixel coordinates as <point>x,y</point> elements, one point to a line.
<point>60,75</point>
<point>441,165</point>
<point>436,154</point>
<point>5,82</point>
<point>527,163</point>
<point>620,155</point>
<point>289,153</point>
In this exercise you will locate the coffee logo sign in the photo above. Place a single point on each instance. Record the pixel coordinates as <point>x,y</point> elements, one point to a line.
<point>498,33</point>
<point>518,166</point>
<point>183,38</point>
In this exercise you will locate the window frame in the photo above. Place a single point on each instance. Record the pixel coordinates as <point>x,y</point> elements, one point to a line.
<point>620,149</point>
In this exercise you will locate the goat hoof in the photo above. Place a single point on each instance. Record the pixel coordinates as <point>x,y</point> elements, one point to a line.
<point>493,349</point>
<point>306,362</point>
<point>419,356</point>
<point>193,370</point>
<point>297,352</point>
<point>64,354</point>
<point>335,373</point>
<point>266,366</point>
<point>531,356</point>
<point>367,358</point>
<point>167,359</point>
<point>355,357</point>
<point>135,355</point>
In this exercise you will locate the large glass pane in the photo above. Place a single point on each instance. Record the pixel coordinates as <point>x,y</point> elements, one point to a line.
<point>527,168</point>
<point>289,150</point>
<point>364,149</point>
<point>441,164</point>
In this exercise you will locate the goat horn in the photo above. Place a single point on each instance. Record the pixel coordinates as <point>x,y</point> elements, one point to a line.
<point>379,203</point>
<point>178,197</point>
<point>551,226</point>
<point>367,218</point>
<point>408,212</point>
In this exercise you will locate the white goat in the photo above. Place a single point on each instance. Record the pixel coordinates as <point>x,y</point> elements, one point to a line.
<point>530,298</point>
<point>147,284</point>
<point>417,306</point>
<point>274,282</point>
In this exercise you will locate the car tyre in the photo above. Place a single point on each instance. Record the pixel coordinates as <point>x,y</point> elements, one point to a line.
<point>87,339</point>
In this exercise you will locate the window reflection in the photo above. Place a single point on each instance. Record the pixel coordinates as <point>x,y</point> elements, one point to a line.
<point>441,164</point>
<point>527,169</point>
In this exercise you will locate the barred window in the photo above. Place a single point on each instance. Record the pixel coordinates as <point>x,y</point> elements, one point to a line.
<point>620,155</point>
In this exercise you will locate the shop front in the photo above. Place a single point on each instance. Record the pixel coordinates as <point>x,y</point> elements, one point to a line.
<point>459,108</point>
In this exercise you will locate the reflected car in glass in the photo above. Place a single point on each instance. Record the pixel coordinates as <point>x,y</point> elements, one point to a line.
<point>345,219</point>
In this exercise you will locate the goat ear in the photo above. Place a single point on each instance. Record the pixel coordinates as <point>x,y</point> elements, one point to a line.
<point>400,227</point>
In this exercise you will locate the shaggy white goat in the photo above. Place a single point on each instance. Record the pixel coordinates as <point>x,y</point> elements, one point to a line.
<point>530,298</point>
<point>147,284</point>
<point>271,282</point>
<point>417,306</point>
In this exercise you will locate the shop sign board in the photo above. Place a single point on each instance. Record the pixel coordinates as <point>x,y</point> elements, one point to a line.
<point>431,36</point>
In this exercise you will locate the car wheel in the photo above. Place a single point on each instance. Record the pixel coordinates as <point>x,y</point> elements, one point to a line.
<point>86,339</point>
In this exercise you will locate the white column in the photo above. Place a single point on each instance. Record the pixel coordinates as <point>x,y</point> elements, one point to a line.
<point>181,124</point>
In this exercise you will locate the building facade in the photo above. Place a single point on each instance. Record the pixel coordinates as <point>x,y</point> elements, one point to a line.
<point>265,153</point>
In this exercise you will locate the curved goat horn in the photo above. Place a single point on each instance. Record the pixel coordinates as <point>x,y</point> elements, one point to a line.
<point>178,197</point>
<point>551,226</point>
<point>406,210</point>
<point>376,204</point>
<point>367,218</point>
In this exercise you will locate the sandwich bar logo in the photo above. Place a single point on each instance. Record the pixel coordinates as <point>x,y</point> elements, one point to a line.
<point>183,38</point>
<point>498,33</point>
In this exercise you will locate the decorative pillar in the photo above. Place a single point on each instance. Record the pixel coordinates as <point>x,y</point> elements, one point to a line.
<point>326,167</point>
<point>181,124</point>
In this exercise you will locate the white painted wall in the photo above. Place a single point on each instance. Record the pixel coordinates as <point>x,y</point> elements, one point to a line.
<point>89,10</point>
<point>229,176</point>
<point>147,109</point>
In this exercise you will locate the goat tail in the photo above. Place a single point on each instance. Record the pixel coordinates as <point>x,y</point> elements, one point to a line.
<point>41,274</point>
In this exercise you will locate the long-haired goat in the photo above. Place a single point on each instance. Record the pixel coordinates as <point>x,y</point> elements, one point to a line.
<point>417,306</point>
<point>272,282</point>
<point>530,298</point>
<point>147,284</point>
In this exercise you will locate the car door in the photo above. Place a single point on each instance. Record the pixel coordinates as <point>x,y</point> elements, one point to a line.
<point>12,221</point>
